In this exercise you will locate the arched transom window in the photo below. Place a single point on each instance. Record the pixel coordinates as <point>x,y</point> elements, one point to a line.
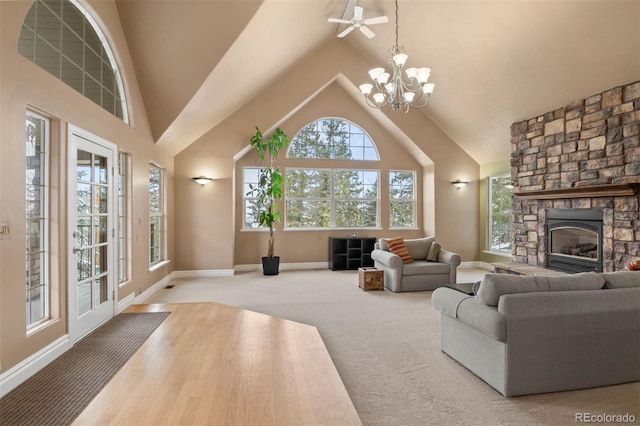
<point>61,37</point>
<point>332,138</point>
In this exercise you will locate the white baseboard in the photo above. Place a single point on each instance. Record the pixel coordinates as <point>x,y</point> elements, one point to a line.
<point>477,264</point>
<point>125,303</point>
<point>151,290</point>
<point>203,273</point>
<point>283,266</point>
<point>30,366</point>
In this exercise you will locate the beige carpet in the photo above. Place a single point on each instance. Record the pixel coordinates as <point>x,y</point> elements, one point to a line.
<point>386,348</point>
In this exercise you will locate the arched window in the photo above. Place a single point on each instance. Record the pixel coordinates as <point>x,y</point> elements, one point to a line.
<point>332,138</point>
<point>62,38</point>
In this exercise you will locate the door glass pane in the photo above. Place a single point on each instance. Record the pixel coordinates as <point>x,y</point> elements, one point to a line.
<point>84,232</point>
<point>100,229</point>
<point>84,298</point>
<point>100,290</point>
<point>84,166</point>
<point>83,198</point>
<point>84,264</point>
<point>101,199</point>
<point>100,169</point>
<point>101,260</point>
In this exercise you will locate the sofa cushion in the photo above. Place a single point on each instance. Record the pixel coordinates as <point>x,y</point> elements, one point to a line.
<point>621,279</point>
<point>422,267</point>
<point>398,247</point>
<point>434,251</point>
<point>419,247</point>
<point>495,285</point>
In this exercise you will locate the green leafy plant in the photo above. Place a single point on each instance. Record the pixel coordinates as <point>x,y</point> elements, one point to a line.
<point>270,180</point>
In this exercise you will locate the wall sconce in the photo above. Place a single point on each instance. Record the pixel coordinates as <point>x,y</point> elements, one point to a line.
<point>459,184</point>
<point>201,180</point>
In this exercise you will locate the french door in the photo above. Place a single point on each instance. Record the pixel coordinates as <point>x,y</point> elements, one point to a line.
<point>91,241</point>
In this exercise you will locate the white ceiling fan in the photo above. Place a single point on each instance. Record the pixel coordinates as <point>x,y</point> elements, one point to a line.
<point>359,22</point>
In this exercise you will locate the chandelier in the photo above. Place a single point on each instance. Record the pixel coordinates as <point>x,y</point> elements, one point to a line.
<point>398,90</point>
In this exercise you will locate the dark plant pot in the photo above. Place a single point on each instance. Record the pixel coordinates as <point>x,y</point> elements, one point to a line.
<point>270,265</point>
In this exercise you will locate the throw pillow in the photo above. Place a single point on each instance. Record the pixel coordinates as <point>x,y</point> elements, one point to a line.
<point>398,247</point>
<point>433,252</point>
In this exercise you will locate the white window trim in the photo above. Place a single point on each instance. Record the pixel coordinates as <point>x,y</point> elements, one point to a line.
<point>46,317</point>
<point>163,218</point>
<point>414,199</point>
<point>490,215</point>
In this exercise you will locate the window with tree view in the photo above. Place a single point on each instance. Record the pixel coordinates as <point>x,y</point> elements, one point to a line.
<point>402,199</point>
<point>500,213</point>
<point>156,214</point>
<point>332,197</point>
<point>37,297</point>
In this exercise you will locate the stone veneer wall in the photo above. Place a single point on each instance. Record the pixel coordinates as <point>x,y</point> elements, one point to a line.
<point>593,141</point>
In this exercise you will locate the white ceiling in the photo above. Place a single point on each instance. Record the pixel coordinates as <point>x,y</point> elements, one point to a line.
<point>493,62</point>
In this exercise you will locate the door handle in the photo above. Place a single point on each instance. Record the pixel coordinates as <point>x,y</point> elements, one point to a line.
<point>76,249</point>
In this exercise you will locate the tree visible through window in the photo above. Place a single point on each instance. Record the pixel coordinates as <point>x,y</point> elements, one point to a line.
<point>331,198</point>
<point>123,221</point>
<point>156,214</point>
<point>500,213</point>
<point>37,129</point>
<point>402,199</point>
<point>332,138</point>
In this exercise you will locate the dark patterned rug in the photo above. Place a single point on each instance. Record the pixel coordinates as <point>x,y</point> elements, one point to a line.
<point>59,392</point>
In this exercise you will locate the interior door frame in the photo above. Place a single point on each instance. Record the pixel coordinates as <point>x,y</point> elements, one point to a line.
<point>74,330</point>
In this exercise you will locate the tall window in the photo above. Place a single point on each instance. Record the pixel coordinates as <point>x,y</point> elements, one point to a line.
<point>402,199</point>
<point>37,244</point>
<point>156,214</point>
<point>500,213</point>
<point>123,221</point>
<point>61,37</point>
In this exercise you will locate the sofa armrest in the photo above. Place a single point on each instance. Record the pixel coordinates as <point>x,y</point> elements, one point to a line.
<point>449,257</point>
<point>447,300</point>
<point>470,311</point>
<point>387,258</point>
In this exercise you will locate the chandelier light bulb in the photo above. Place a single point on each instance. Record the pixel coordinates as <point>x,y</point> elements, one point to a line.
<point>366,88</point>
<point>378,98</point>
<point>428,88</point>
<point>423,75</point>
<point>383,78</point>
<point>375,72</point>
<point>409,96</point>
<point>411,72</point>
<point>400,59</point>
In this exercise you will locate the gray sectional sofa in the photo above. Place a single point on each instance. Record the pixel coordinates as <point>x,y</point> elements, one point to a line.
<point>535,334</point>
<point>421,274</point>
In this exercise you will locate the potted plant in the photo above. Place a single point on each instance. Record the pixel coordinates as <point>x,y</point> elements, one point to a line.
<point>268,190</point>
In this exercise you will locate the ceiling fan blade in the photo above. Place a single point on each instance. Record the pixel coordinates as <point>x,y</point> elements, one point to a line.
<point>345,32</point>
<point>339,21</point>
<point>378,20</point>
<point>366,31</point>
<point>357,13</point>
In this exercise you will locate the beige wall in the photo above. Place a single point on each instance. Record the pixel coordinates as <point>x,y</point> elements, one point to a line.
<point>305,93</point>
<point>24,85</point>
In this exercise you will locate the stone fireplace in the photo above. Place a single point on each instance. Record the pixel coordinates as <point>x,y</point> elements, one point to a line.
<point>584,156</point>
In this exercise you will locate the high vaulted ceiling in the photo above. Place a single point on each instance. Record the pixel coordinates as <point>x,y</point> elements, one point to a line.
<point>493,62</point>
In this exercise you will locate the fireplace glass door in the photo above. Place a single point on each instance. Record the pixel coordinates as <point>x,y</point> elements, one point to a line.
<point>577,242</point>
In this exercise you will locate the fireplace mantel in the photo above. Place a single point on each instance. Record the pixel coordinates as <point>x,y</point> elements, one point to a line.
<point>591,191</point>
